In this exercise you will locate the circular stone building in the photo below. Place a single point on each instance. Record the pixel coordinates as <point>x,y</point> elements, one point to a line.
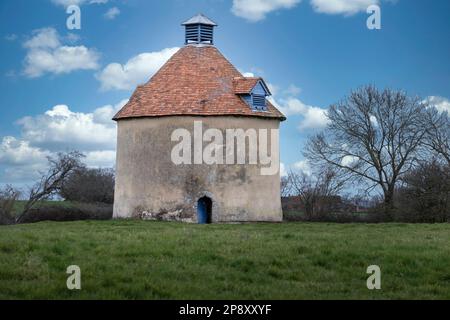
<point>199,142</point>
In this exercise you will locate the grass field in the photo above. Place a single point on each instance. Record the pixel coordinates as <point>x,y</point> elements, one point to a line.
<point>153,260</point>
<point>19,205</point>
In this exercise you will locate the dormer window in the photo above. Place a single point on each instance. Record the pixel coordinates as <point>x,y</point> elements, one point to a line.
<point>253,91</point>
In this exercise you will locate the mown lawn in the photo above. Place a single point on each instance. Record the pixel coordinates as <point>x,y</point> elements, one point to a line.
<point>153,260</point>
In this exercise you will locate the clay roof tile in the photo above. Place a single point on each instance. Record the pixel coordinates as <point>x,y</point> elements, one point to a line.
<point>197,80</point>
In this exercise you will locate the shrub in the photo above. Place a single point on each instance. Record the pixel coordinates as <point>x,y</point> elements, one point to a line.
<point>337,217</point>
<point>425,198</point>
<point>89,186</point>
<point>70,213</point>
<point>8,198</point>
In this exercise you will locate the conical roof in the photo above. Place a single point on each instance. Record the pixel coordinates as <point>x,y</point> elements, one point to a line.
<point>197,81</point>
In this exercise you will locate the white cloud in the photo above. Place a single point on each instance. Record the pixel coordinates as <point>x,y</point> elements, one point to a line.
<point>286,100</point>
<point>135,71</point>
<point>100,159</point>
<point>303,166</point>
<point>20,161</point>
<point>283,171</point>
<point>273,89</point>
<point>17,152</point>
<point>256,10</point>
<point>374,121</point>
<point>348,160</point>
<point>59,129</point>
<point>440,103</point>
<point>62,60</point>
<point>66,3</point>
<point>345,7</point>
<point>253,72</point>
<point>72,37</point>
<point>45,38</point>
<point>290,106</point>
<point>11,37</point>
<point>46,54</point>
<point>313,117</point>
<point>103,115</point>
<point>112,13</point>
<point>292,90</point>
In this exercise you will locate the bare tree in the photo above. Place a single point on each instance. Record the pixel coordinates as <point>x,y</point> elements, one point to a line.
<point>372,137</point>
<point>285,186</point>
<point>306,189</point>
<point>438,138</point>
<point>315,191</point>
<point>51,181</point>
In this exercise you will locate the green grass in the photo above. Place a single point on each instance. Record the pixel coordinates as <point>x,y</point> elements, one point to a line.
<point>152,260</point>
<point>19,205</point>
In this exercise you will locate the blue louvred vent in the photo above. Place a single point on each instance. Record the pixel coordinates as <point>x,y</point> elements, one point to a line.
<point>259,102</point>
<point>199,30</point>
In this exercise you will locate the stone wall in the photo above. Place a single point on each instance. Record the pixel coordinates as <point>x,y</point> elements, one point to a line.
<point>150,186</point>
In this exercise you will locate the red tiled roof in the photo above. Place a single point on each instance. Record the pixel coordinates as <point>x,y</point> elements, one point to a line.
<point>244,85</point>
<point>197,80</point>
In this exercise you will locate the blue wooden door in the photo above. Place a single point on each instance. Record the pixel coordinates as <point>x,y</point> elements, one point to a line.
<point>202,212</point>
<point>204,207</point>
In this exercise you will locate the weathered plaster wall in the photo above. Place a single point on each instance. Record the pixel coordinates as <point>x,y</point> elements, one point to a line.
<point>148,183</point>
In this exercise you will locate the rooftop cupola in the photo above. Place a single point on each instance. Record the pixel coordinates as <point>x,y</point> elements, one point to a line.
<point>199,30</point>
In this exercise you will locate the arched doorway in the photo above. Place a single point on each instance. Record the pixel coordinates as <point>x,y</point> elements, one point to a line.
<point>204,210</point>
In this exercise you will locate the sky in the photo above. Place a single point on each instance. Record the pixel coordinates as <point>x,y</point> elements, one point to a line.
<point>59,88</point>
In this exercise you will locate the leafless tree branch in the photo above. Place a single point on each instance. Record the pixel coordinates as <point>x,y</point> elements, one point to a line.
<point>373,136</point>
<point>50,183</point>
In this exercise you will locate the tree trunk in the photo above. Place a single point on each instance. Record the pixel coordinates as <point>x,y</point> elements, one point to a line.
<point>389,203</point>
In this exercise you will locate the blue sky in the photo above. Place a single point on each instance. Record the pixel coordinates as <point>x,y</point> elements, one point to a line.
<point>59,87</point>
